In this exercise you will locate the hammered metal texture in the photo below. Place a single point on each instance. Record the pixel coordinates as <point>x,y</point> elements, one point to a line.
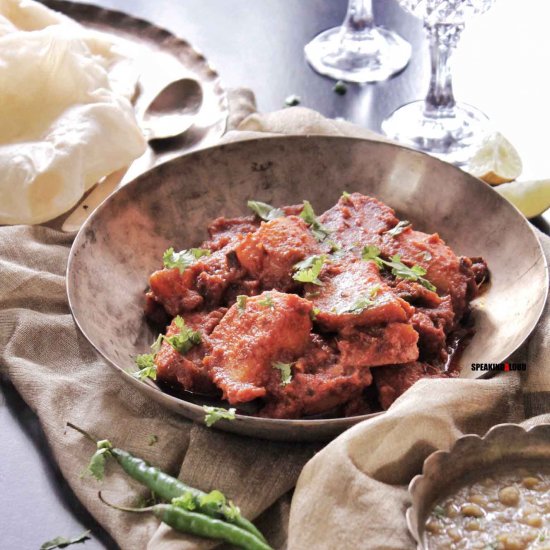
<point>123,241</point>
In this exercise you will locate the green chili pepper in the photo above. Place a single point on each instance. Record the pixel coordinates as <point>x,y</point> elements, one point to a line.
<point>198,524</point>
<point>167,487</point>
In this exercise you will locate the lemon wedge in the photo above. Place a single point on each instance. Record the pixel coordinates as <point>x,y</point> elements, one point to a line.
<point>531,198</point>
<point>496,161</point>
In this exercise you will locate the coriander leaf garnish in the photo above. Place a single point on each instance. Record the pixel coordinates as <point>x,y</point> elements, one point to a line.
<point>265,211</point>
<point>308,270</point>
<point>399,228</point>
<point>340,88</point>
<point>363,302</point>
<point>359,306</point>
<point>398,268</point>
<point>147,367</point>
<point>286,372</point>
<point>292,100</point>
<point>345,195</point>
<point>156,345</point>
<point>415,273</point>
<point>63,542</point>
<point>183,259</point>
<point>186,501</point>
<point>182,342</point>
<point>213,414</point>
<point>241,302</point>
<point>320,232</point>
<point>185,339</point>
<point>96,467</point>
<point>439,511</point>
<point>313,313</point>
<point>152,440</point>
<point>371,252</point>
<point>267,301</point>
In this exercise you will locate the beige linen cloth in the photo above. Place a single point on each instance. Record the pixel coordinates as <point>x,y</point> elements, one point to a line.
<point>350,495</point>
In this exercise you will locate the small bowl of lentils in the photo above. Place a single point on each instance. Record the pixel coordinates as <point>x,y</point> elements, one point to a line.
<point>486,493</point>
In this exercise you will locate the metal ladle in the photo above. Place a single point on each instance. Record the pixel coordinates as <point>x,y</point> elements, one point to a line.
<point>172,111</point>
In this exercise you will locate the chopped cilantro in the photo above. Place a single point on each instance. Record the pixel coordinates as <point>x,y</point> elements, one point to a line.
<point>363,302</point>
<point>399,228</point>
<point>340,88</point>
<point>308,270</point>
<point>155,346</point>
<point>213,414</point>
<point>320,232</point>
<point>147,367</point>
<point>241,302</point>
<point>286,372</point>
<point>345,196</point>
<point>359,306</point>
<point>185,339</point>
<point>267,301</point>
<point>152,440</point>
<point>265,211</point>
<point>371,252</point>
<point>63,542</point>
<point>398,268</point>
<point>292,100</point>
<point>314,312</point>
<point>184,259</point>
<point>414,273</point>
<point>182,342</point>
<point>96,467</point>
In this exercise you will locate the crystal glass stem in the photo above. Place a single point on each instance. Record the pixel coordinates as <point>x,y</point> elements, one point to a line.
<point>443,39</point>
<point>358,50</point>
<point>358,17</point>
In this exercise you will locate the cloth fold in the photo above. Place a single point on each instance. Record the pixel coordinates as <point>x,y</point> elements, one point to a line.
<point>350,495</point>
<point>62,378</point>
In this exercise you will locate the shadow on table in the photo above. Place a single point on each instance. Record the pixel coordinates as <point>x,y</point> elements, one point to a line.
<point>23,417</point>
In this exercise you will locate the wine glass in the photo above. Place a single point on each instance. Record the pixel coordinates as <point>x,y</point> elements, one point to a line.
<point>358,50</point>
<point>438,124</point>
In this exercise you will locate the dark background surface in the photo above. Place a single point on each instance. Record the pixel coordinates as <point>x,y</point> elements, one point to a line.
<point>501,66</point>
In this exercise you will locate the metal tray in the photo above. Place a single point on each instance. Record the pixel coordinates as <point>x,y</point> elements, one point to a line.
<point>161,58</point>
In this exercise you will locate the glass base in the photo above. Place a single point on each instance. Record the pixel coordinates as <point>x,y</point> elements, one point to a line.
<point>369,55</point>
<point>452,135</point>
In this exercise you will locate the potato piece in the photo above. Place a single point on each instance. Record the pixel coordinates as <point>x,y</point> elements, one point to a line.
<point>248,340</point>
